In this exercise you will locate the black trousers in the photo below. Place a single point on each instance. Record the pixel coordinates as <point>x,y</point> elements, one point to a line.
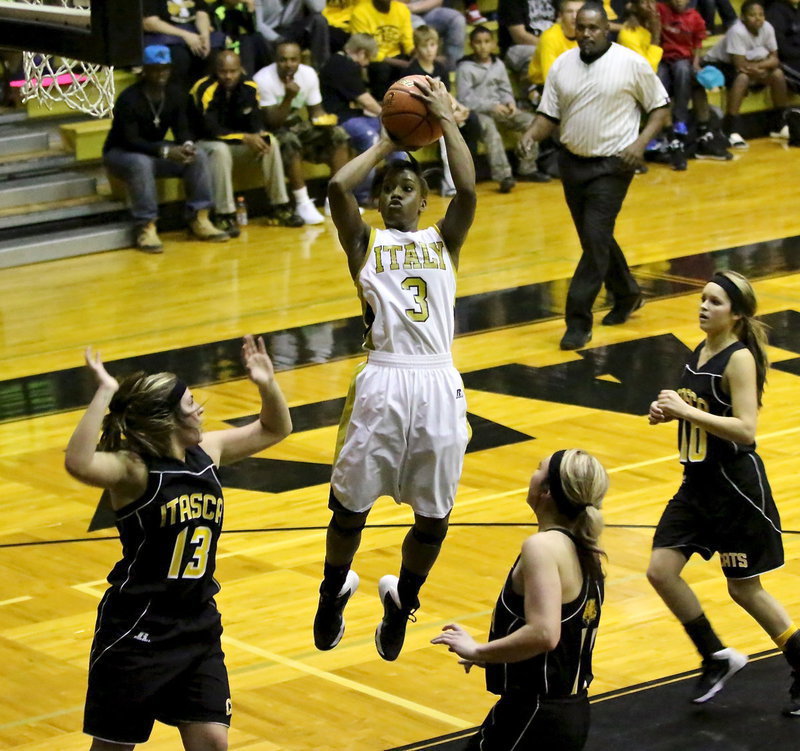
<point>595,188</point>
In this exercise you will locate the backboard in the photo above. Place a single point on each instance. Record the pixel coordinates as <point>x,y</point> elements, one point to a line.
<point>106,32</point>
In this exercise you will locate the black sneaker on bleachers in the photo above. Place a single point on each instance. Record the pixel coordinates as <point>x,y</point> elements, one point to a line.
<point>228,224</point>
<point>677,155</point>
<point>709,146</point>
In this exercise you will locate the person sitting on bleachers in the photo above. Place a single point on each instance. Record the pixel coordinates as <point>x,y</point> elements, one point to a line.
<point>345,95</point>
<point>483,85</point>
<point>448,22</point>
<point>784,15</point>
<point>641,31</point>
<point>286,89</point>
<point>559,38</point>
<point>136,151</point>
<point>520,24</point>
<point>748,56</point>
<point>298,21</point>
<point>337,13</point>
<point>231,128</point>
<point>185,27</point>
<point>236,19</point>
<point>389,21</point>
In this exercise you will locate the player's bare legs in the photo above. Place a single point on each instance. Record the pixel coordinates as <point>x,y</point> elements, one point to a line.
<point>98,745</point>
<point>204,736</point>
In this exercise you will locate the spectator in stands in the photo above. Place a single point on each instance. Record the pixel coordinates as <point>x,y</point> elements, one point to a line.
<point>559,38</point>
<point>136,151</point>
<point>236,19</point>
<point>425,63</point>
<point>784,15</point>
<point>286,87</point>
<point>748,56</point>
<point>483,85</point>
<point>708,9</point>
<point>337,13</point>
<point>641,31</point>
<point>520,23</point>
<point>231,127</point>
<point>389,21</point>
<point>345,95</point>
<point>448,22</point>
<point>185,27</point>
<point>299,21</point>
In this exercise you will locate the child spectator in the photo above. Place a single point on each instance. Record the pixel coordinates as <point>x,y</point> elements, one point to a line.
<point>641,31</point>
<point>748,56</point>
<point>236,19</point>
<point>345,95</point>
<point>285,88</point>
<point>784,15</point>
<point>520,24</point>
<point>448,22</point>
<point>425,63</point>
<point>389,21</point>
<point>483,85</point>
<point>559,38</point>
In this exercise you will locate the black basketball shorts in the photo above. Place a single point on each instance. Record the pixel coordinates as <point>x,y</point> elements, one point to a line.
<point>726,509</point>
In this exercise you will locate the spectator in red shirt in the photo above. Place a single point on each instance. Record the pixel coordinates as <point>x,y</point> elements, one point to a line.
<point>682,33</point>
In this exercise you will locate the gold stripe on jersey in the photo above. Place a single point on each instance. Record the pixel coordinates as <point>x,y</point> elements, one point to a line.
<point>347,412</point>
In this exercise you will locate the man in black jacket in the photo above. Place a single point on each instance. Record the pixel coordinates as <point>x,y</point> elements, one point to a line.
<point>136,151</point>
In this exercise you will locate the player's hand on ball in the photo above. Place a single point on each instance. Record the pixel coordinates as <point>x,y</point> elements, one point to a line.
<point>436,98</point>
<point>459,641</point>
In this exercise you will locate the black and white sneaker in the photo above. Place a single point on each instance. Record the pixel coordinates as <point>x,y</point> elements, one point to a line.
<point>709,146</point>
<point>792,709</point>
<point>329,620</point>
<point>716,671</point>
<point>677,155</point>
<point>391,631</point>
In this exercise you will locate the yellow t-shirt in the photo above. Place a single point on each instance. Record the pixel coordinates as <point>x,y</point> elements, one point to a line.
<point>338,12</point>
<point>552,43</point>
<point>392,31</point>
<point>638,40</point>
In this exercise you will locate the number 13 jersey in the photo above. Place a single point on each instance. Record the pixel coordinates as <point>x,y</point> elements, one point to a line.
<point>407,287</point>
<point>169,535</point>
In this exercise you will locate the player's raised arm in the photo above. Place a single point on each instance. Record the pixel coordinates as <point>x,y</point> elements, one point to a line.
<point>352,229</point>
<point>461,211</point>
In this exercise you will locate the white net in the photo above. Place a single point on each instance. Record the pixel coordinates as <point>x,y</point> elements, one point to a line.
<point>81,85</point>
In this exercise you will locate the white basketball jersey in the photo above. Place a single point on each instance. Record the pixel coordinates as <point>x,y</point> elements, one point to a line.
<point>407,286</point>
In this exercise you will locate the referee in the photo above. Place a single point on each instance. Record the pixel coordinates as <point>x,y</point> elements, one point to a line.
<point>596,95</point>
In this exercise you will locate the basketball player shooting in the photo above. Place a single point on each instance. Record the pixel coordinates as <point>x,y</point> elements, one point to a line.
<point>404,430</point>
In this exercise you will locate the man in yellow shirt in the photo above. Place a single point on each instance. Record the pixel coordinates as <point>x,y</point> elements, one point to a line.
<point>389,21</point>
<point>338,13</point>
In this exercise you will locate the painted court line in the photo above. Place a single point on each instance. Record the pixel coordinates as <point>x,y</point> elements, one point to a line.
<point>15,599</point>
<point>302,667</point>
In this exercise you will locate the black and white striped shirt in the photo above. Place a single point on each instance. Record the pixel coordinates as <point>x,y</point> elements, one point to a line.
<point>599,104</point>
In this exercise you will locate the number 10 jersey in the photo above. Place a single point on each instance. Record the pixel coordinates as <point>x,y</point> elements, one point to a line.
<point>407,287</point>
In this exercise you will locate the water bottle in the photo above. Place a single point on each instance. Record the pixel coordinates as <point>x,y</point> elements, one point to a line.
<point>241,211</point>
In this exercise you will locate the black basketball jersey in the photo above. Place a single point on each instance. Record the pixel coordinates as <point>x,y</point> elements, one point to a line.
<point>565,670</point>
<point>701,387</point>
<point>169,535</point>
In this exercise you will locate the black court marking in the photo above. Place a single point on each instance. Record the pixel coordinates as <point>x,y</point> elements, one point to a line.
<point>658,716</point>
<point>214,362</point>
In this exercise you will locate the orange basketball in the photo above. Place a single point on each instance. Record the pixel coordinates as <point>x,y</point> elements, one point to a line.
<point>406,118</point>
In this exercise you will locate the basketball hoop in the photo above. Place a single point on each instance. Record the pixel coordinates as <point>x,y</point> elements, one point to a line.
<point>81,85</point>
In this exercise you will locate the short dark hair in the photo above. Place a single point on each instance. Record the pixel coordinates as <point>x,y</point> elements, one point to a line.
<point>747,4</point>
<point>479,30</point>
<point>594,7</point>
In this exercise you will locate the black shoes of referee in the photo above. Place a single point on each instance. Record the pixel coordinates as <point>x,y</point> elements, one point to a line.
<point>329,620</point>
<point>622,310</point>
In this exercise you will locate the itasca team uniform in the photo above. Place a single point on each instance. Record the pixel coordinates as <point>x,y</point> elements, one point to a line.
<point>544,701</point>
<point>404,430</point>
<point>725,502</point>
<point>158,624</point>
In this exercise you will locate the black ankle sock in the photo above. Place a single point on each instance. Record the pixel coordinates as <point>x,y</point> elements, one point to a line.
<point>703,636</point>
<point>334,578</point>
<point>791,650</point>
<point>408,588</point>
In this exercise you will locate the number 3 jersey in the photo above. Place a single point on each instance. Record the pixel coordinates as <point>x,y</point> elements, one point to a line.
<point>169,536</point>
<point>701,387</point>
<point>407,287</point>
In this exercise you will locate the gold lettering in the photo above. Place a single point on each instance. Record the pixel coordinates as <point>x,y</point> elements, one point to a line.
<point>412,258</point>
<point>186,514</point>
<point>208,500</point>
<point>378,251</point>
<point>163,514</point>
<point>172,506</point>
<point>393,249</point>
<point>196,504</point>
<point>438,248</point>
<point>427,261</point>
<point>218,518</point>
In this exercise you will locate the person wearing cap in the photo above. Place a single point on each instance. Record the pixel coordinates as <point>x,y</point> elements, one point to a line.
<point>136,151</point>
<point>539,655</point>
<point>724,504</point>
<point>156,653</point>
<point>228,120</point>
